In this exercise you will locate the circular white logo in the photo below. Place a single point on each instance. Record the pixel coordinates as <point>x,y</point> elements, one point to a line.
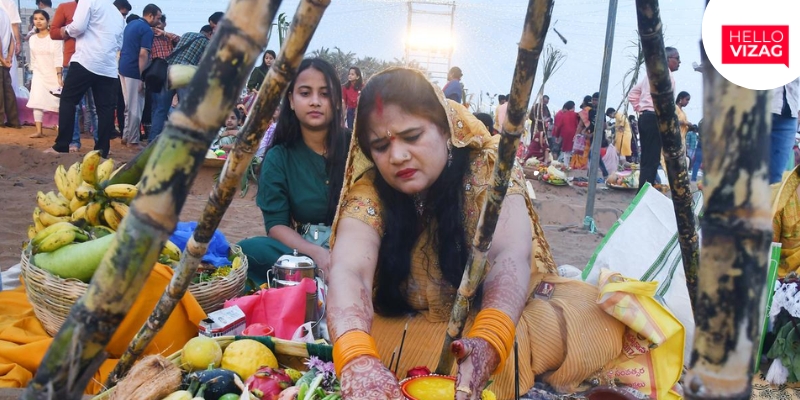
<point>749,43</point>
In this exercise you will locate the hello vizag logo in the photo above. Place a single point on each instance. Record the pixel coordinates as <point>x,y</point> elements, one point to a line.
<point>755,44</point>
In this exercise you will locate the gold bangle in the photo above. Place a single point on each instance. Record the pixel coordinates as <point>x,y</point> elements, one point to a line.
<point>464,389</point>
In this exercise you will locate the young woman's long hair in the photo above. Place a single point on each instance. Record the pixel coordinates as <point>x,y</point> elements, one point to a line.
<point>263,65</point>
<point>359,82</point>
<point>287,131</point>
<point>410,91</point>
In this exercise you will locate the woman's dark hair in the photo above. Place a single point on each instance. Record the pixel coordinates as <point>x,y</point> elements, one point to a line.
<point>287,131</point>
<point>44,14</point>
<point>681,96</point>
<point>359,82</point>
<point>412,92</point>
<point>570,105</point>
<point>486,119</point>
<point>587,100</point>
<point>239,115</point>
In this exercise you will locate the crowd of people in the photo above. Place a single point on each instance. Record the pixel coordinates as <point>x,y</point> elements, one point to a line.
<point>87,61</point>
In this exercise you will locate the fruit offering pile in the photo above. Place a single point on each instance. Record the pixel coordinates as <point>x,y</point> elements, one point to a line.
<point>248,369</point>
<point>72,228</point>
<point>84,192</point>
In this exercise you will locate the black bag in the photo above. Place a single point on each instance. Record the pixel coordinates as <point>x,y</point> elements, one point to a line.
<point>155,75</point>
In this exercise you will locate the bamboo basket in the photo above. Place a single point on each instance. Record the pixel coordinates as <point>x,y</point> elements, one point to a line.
<point>288,353</point>
<point>52,297</point>
<point>212,294</point>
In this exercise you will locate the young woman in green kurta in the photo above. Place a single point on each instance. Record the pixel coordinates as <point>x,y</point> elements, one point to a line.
<point>301,175</point>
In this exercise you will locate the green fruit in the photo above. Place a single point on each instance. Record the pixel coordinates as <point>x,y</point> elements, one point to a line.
<point>181,395</point>
<point>78,260</point>
<point>229,396</point>
<point>200,352</point>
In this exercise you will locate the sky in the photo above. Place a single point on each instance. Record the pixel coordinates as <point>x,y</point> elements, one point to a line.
<point>485,38</point>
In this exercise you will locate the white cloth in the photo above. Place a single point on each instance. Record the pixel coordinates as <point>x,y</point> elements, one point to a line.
<point>97,29</point>
<point>792,97</point>
<point>643,244</point>
<point>640,97</point>
<point>6,35</point>
<point>9,279</point>
<point>46,55</point>
<point>12,11</point>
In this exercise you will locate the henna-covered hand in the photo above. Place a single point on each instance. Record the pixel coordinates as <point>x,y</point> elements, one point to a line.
<point>357,316</point>
<point>366,378</point>
<point>476,361</point>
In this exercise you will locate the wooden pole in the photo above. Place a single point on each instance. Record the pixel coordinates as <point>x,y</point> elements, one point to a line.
<point>537,22</point>
<point>306,19</point>
<point>79,348</point>
<point>600,118</point>
<point>737,231</point>
<point>652,39</point>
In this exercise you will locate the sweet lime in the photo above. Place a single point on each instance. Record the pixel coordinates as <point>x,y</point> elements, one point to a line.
<point>246,356</point>
<point>199,352</point>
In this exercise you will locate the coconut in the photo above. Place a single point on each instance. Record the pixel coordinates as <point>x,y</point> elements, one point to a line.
<point>152,378</point>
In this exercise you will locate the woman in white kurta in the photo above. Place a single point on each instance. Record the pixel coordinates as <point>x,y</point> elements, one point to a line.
<point>46,61</point>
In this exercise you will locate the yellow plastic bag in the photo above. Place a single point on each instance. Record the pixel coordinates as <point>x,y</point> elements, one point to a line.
<point>652,350</point>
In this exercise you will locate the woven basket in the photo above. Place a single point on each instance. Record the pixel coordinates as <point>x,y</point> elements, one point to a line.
<point>212,294</point>
<point>52,297</point>
<point>288,353</point>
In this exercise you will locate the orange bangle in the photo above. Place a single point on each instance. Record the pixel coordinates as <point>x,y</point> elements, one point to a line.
<point>352,344</point>
<point>497,328</point>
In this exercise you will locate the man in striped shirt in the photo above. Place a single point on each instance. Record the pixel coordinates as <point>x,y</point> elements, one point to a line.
<point>189,51</point>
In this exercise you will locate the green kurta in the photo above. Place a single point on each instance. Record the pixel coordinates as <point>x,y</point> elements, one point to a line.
<point>292,189</point>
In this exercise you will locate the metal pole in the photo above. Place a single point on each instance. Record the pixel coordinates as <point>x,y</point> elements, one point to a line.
<point>600,118</point>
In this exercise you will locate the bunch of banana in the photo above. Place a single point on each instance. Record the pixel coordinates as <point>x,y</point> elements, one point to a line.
<point>84,193</point>
<point>170,254</point>
<point>57,236</point>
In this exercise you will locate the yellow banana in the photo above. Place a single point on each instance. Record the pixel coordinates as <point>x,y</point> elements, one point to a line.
<point>104,171</point>
<point>89,167</point>
<point>111,217</point>
<point>31,231</point>
<point>172,251</point>
<point>37,222</point>
<point>62,183</point>
<point>55,241</point>
<point>49,219</point>
<point>60,226</point>
<point>120,208</point>
<point>121,191</point>
<point>79,213</point>
<point>93,211</point>
<point>77,203</point>
<point>74,177</point>
<point>85,193</point>
<point>50,203</point>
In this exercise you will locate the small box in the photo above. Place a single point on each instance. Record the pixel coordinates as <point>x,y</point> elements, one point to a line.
<point>225,322</point>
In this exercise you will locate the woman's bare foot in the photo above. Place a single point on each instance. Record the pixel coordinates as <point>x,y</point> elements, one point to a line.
<point>37,135</point>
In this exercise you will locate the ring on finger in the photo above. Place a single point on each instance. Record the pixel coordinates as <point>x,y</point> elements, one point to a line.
<point>464,389</point>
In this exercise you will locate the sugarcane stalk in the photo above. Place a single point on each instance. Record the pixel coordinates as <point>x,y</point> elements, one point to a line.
<point>537,22</point>
<point>306,20</point>
<point>78,349</point>
<point>132,171</point>
<point>652,39</point>
<point>737,231</point>
<point>180,75</point>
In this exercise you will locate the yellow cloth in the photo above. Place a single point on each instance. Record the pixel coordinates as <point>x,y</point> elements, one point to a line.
<point>23,340</point>
<point>786,221</point>
<point>566,338</point>
<point>622,140</point>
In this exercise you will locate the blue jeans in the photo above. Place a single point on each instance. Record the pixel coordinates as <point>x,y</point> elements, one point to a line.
<point>697,160</point>
<point>161,102</point>
<point>88,102</point>
<point>781,143</point>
